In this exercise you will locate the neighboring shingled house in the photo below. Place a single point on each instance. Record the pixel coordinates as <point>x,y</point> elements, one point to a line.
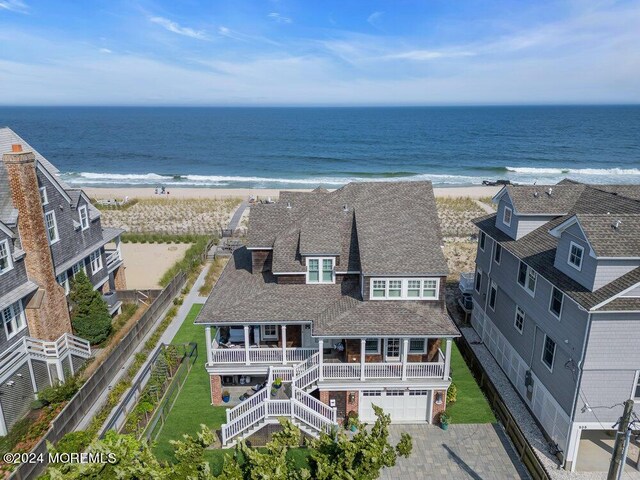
<point>48,233</point>
<point>557,302</point>
<point>342,295</point>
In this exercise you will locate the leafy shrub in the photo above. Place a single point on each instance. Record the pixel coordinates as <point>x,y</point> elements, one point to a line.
<point>405,445</point>
<point>452,393</point>
<point>74,442</point>
<point>61,392</point>
<point>16,434</point>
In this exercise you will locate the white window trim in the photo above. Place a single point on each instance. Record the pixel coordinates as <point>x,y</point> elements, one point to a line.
<point>269,337</point>
<point>55,223</point>
<point>558,316</point>
<point>493,286</point>
<point>44,196</point>
<point>526,279</point>
<point>515,319</point>
<point>83,268</point>
<point>377,352</point>
<point>95,260</point>
<point>320,280</point>
<point>20,314</point>
<point>495,252</point>
<point>571,245</point>
<point>83,208</point>
<point>481,244</point>
<point>5,242</point>
<point>477,287</point>
<point>417,352</point>
<point>504,214</point>
<point>636,380</point>
<point>555,347</point>
<point>65,283</point>
<point>404,288</point>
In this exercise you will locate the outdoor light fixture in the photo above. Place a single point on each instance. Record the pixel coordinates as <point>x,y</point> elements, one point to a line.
<point>438,398</point>
<point>352,397</point>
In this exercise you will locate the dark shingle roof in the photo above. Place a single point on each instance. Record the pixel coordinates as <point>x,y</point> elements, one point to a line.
<point>622,304</point>
<point>535,199</point>
<point>538,248</point>
<point>334,309</point>
<point>612,235</point>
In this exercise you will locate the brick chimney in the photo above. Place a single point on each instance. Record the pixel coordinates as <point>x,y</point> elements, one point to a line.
<point>47,312</point>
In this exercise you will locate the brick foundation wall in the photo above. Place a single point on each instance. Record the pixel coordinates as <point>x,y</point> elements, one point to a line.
<point>119,278</point>
<point>437,409</point>
<point>353,405</point>
<point>216,389</point>
<point>47,311</point>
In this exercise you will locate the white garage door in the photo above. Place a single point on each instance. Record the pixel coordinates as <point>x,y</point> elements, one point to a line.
<point>402,405</point>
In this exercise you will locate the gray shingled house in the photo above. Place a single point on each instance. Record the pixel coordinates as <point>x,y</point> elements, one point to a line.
<point>48,233</point>
<point>341,296</point>
<point>556,299</point>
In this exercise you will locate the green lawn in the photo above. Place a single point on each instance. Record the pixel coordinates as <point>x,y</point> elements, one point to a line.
<point>471,406</point>
<point>193,405</point>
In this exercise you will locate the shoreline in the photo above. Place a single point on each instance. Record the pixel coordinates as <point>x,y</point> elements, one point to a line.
<point>119,193</point>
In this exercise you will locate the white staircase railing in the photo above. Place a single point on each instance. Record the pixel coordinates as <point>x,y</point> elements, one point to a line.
<point>301,406</point>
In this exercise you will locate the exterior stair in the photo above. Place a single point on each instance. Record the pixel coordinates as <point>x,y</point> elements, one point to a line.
<point>308,413</point>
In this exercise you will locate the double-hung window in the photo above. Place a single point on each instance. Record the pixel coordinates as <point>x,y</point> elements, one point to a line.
<point>6,262</point>
<point>96,262</point>
<point>379,288</point>
<point>478,282</point>
<point>395,288</point>
<point>576,252</point>
<point>372,345</point>
<point>527,278</point>
<point>519,320</point>
<point>63,281</point>
<point>493,296</point>
<point>555,305</point>
<point>417,345</point>
<point>497,255</point>
<point>52,226</point>
<point>320,270</point>
<point>77,267</point>
<point>13,319</point>
<point>405,288</point>
<point>84,217</point>
<point>44,198</point>
<point>413,288</point>
<point>506,216</point>
<point>548,352</point>
<point>430,288</point>
<point>483,240</point>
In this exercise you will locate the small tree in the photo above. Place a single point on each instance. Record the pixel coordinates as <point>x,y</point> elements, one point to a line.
<point>89,312</point>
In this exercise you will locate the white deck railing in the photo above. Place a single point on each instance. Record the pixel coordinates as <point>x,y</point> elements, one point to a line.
<point>353,371</point>
<point>265,356</point>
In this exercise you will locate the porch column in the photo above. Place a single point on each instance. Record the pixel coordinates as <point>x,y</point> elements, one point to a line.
<point>447,359</point>
<point>320,355</point>
<point>405,350</point>
<point>284,344</point>
<point>363,345</point>
<point>207,334</point>
<point>246,345</point>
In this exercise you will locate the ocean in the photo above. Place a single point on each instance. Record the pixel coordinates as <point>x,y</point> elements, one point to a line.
<point>308,147</point>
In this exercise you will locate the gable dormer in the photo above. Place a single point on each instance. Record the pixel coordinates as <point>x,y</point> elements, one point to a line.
<point>595,250</point>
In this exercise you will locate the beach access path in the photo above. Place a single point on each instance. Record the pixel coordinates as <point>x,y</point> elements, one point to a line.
<point>191,298</point>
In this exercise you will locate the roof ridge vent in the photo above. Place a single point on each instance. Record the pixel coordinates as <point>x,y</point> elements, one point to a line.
<point>289,205</point>
<point>550,191</point>
<point>535,193</point>
<point>345,208</point>
<point>616,224</point>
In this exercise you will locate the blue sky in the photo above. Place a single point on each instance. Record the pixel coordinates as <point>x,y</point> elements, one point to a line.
<point>281,52</point>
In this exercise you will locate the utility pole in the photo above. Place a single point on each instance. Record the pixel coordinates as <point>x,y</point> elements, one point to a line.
<point>623,436</point>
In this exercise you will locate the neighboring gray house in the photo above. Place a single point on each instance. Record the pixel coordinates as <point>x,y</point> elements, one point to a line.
<point>48,233</point>
<point>557,302</point>
<point>341,295</point>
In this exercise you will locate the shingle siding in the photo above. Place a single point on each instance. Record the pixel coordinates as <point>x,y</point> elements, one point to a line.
<point>72,241</point>
<point>610,270</point>
<point>16,397</point>
<point>17,275</point>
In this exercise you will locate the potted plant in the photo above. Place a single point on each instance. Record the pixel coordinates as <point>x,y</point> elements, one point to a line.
<point>444,420</point>
<point>352,421</point>
<point>226,396</point>
<point>274,391</point>
<point>277,382</point>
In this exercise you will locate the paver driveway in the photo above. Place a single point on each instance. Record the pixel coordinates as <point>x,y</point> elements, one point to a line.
<point>479,452</point>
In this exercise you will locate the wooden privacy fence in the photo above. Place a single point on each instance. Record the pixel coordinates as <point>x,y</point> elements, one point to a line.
<point>88,395</point>
<point>523,448</point>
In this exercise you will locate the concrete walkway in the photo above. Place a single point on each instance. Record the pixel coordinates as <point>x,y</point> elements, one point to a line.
<point>479,452</point>
<point>191,298</point>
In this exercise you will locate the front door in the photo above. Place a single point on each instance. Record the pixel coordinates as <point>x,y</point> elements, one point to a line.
<point>392,350</point>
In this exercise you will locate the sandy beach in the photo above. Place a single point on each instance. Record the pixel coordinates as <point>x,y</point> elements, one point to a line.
<point>222,193</point>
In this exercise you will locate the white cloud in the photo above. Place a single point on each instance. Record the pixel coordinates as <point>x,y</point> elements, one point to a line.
<point>243,37</point>
<point>425,55</point>
<point>374,18</point>
<point>177,28</point>
<point>14,6</point>
<point>105,50</point>
<point>276,17</point>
